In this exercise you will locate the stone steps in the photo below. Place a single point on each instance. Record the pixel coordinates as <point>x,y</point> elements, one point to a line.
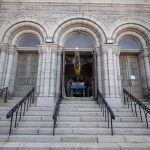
<point>76,138</point>
<point>80,125</point>
<point>76,124</point>
<point>75,131</point>
<point>70,113</point>
<point>75,146</point>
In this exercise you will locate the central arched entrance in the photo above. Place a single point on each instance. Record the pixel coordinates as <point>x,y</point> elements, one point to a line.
<point>83,84</point>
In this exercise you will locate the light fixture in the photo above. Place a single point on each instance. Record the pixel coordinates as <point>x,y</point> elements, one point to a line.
<point>77,48</point>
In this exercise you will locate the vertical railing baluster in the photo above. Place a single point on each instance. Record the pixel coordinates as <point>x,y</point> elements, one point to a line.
<point>111,127</point>
<point>27,103</point>
<point>135,109</point>
<point>140,112</point>
<point>33,96</point>
<point>146,119</point>
<point>20,113</point>
<point>16,119</point>
<point>131,106</point>
<point>128,101</point>
<point>105,114</point>
<point>11,124</point>
<point>24,108</point>
<point>108,117</point>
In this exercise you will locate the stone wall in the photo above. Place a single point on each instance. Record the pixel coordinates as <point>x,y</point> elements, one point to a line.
<point>107,21</point>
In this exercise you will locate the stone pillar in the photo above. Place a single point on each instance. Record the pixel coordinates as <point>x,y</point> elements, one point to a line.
<point>53,71</point>
<point>8,75</point>
<point>43,78</point>
<point>147,65</point>
<point>105,72</point>
<point>39,71</point>
<point>14,71</point>
<point>118,73</point>
<point>59,71</point>
<point>99,69</point>
<point>3,61</point>
<point>116,64</point>
<point>111,72</point>
<point>46,74</point>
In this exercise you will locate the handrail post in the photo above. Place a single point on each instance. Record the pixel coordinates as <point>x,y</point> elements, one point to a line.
<point>111,127</point>
<point>11,124</point>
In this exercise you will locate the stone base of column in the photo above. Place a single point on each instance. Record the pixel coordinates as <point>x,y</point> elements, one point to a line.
<point>114,101</point>
<point>45,101</point>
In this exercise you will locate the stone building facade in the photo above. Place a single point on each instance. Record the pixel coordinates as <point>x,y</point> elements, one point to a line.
<point>37,35</point>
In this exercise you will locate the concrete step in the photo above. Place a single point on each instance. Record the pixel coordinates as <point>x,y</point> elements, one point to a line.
<point>78,99</point>
<point>61,124</point>
<point>56,146</point>
<point>80,105</point>
<point>97,109</point>
<point>96,119</point>
<point>75,131</point>
<point>73,146</point>
<point>76,138</point>
<point>78,102</point>
<point>74,119</point>
<point>58,131</point>
<point>131,131</point>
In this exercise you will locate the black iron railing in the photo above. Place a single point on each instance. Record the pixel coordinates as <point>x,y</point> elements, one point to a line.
<point>56,112</point>
<point>107,111</point>
<point>4,91</point>
<point>20,108</point>
<point>133,102</point>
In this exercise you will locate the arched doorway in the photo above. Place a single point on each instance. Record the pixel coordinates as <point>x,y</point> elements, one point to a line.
<point>88,73</point>
<point>27,64</point>
<point>130,65</point>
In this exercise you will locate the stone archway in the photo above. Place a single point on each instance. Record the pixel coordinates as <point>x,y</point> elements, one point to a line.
<point>75,25</point>
<point>11,34</point>
<point>138,30</point>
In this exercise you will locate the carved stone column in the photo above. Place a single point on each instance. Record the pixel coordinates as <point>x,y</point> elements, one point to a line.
<point>39,71</point>
<point>105,71</point>
<point>117,77</point>
<point>46,74</point>
<point>10,75</point>
<point>111,72</point>
<point>99,68</point>
<point>147,65</point>
<point>53,71</point>
<point>3,61</point>
<point>59,71</point>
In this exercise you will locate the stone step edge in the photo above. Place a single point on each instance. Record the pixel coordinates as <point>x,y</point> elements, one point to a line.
<point>99,138</point>
<point>77,146</point>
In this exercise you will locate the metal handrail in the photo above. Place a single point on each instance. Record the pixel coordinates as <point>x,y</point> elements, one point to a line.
<point>106,109</point>
<point>5,89</point>
<point>132,101</point>
<point>56,112</point>
<point>20,108</point>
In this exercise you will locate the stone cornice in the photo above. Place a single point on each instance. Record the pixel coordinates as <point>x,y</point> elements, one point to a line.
<point>84,1</point>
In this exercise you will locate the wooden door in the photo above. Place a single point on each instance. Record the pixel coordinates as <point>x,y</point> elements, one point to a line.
<point>27,73</point>
<point>130,74</point>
